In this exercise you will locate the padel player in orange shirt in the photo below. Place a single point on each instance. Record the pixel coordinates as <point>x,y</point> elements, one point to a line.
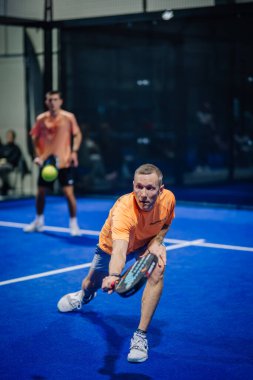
<point>137,224</point>
<point>52,134</point>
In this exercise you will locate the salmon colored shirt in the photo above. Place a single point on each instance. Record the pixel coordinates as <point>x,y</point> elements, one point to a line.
<point>53,136</point>
<point>127,222</point>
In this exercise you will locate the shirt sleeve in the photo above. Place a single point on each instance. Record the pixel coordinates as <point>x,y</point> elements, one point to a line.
<point>35,131</point>
<point>121,223</point>
<point>171,210</point>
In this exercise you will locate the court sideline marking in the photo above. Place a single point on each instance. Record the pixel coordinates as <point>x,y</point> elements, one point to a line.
<point>175,241</point>
<point>81,266</point>
<point>177,244</point>
<point>45,274</point>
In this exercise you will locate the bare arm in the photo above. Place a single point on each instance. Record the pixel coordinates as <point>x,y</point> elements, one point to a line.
<point>37,159</point>
<point>158,239</point>
<point>117,263</point>
<point>155,246</point>
<point>77,139</point>
<point>118,258</point>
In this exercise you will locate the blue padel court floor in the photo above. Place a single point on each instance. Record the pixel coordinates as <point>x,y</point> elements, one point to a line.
<point>202,329</point>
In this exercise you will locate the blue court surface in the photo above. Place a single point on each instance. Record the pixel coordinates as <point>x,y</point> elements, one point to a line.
<point>203,326</point>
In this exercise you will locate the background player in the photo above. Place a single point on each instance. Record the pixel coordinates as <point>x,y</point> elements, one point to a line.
<point>56,133</point>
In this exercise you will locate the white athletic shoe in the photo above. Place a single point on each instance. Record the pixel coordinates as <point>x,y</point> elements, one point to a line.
<point>35,226</point>
<point>138,349</point>
<point>74,229</point>
<point>73,301</point>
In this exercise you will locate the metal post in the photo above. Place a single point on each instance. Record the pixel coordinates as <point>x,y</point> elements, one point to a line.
<point>144,6</point>
<point>48,50</point>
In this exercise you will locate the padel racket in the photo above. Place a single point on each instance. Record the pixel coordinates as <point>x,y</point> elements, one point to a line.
<point>136,276</point>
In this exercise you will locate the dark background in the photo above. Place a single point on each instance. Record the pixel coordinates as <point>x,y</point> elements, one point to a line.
<point>148,79</point>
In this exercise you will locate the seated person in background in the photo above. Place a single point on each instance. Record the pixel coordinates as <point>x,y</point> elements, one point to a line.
<point>10,155</point>
<point>1,149</point>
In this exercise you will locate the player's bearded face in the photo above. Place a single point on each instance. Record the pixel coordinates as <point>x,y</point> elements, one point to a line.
<point>146,190</point>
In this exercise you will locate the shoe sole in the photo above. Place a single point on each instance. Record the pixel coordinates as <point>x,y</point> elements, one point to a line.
<point>65,311</point>
<point>137,360</point>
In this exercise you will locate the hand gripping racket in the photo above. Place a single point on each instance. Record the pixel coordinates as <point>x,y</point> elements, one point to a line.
<point>136,276</point>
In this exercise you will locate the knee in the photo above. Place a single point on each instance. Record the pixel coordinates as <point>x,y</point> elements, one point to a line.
<point>157,274</point>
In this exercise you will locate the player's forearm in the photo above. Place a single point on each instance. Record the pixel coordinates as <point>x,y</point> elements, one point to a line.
<point>77,139</point>
<point>118,257</point>
<point>158,239</point>
<point>36,148</point>
<point>117,264</point>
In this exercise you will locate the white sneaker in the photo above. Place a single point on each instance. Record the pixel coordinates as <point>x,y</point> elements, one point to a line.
<point>35,226</point>
<point>138,349</point>
<point>75,230</point>
<point>74,301</point>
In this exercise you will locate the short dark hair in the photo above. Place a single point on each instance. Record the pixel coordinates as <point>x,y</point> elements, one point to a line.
<point>54,92</point>
<point>149,169</point>
<point>13,133</point>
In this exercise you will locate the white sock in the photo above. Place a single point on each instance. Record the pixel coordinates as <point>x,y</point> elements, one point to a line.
<point>73,222</point>
<point>40,219</point>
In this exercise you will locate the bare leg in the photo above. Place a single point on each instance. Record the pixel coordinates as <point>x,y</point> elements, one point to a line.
<point>74,301</point>
<point>70,196</point>
<point>150,300</point>
<point>40,200</point>
<point>93,281</point>
<point>151,296</point>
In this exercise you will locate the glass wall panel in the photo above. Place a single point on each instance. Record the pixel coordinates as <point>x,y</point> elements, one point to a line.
<point>174,93</point>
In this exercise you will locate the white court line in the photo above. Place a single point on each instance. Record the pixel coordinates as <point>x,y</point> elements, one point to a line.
<point>68,269</point>
<point>224,246</point>
<point>184,244</point>
<point>177,244</point>
<point>45,274</point>
<point>173,241</point>
<point>46,228</point>
<point>202,243</point>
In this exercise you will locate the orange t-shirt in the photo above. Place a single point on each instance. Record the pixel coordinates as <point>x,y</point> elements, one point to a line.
<point>53,136</point>
<point>127,222</point>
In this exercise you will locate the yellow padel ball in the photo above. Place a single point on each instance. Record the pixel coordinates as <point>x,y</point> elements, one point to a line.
<point>49,173</point>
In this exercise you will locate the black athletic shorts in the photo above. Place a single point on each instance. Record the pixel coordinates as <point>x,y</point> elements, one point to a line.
<point>65,178</point>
